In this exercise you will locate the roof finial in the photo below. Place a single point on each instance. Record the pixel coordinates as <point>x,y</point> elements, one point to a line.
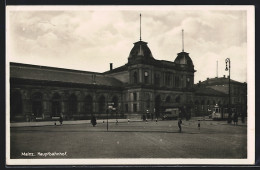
<point>217,69</point>
<point>182,41</point>
<point>140,26</point>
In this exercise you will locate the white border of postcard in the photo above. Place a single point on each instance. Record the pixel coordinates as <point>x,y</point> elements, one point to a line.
<point>251,93</point>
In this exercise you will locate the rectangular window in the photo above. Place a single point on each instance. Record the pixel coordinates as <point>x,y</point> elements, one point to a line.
<point>135,96</point>
<point>167,79</point>
<point>135,107</point>
<point>126,108</point>
<point>157,79</point>
<point>177,81</point>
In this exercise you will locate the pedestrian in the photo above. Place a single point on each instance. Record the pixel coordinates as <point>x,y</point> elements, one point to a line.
<point>32,117</point>
<point>61,120</point>
<point>143,117</point>
<point>199,124</point>
<point>93,121</point>
<point>229,118</point>
<point>179,124</point>
<point>243,118</point>
<point>128,121</point>
<point>235,119</point>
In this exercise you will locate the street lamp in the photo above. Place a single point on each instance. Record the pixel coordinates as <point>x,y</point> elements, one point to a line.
<point>228,63</point>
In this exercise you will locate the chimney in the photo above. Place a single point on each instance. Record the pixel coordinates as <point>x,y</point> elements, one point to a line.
<point>207,78</point>
<point>111,66</point>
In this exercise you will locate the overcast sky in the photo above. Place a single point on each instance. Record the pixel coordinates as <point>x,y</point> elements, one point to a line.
<point>91,39</point>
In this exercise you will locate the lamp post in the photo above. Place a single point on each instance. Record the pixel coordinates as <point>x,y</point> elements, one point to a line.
<point>228,63</point>
<point>110,107</point>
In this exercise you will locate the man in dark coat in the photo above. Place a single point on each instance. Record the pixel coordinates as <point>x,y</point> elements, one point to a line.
<point>93,121</point>
<point>235,119</point>
<point>61,120</point>
<point>179,124</point>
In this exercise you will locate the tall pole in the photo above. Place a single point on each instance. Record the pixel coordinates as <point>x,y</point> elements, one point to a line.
<point>217,68</point>
<point>182,41</point>
<point>229,90</point>
<point>107,118</point>
<point>140,27</point>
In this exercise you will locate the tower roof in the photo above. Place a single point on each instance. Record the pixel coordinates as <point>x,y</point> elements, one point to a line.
<point>140,51</point>
<point>183,58</point>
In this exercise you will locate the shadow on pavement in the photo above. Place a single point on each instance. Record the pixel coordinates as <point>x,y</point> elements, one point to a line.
<point>103,131</point>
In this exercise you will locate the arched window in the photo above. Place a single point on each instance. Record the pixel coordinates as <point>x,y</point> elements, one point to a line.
<point>72,105</point>
<point>115,101</point>
<point>16,104</point>
<point>37,104</point>
<point>88,104</point>
<point>178,99</point>
<point>202,105</point>
<point>101,104</point>
<point>188,82</point>
<point>146,77</point>
<point>168,99</point>
<point>135,77</point>
<point>56,105</point>
<point>157,105</point>
<point>147,100</point>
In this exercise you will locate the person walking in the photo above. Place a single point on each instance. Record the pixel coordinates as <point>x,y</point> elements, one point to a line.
<point>242,117</point>
<point>61,120</point>
<point>179,124</point>
<point>143,117</point>
<point>199,124</point>
<point>93,121</point>
<point>235,119</point>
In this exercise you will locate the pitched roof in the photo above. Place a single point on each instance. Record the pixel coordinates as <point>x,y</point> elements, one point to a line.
<point>208,92</point>
<point>118,69</point>
<point>34,72</point>
<point>218,80</point>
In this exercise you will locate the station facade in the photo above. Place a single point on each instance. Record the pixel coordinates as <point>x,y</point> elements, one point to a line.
<point>144,85</point>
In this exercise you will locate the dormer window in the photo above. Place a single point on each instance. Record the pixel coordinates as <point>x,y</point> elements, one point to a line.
<point>135,77</point>
<point>146,76</point>
<point>188,84</point>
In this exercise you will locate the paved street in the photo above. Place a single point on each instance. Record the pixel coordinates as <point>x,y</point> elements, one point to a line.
<point>215,139</point>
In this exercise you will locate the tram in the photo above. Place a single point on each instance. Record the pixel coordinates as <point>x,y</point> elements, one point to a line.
<point>171,113</point>
<point>220,112</point>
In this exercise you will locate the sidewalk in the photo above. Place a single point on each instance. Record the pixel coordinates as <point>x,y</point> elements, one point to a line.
<point>69,122</point>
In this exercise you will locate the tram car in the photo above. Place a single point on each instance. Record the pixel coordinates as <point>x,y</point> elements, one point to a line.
<point>171,113</point>
<point>220,113</point>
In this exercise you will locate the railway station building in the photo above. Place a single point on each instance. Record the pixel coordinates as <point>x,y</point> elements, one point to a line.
<point>144,85</point>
